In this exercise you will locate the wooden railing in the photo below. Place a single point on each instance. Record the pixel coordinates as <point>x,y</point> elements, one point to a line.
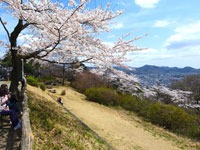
<point>27,138</point>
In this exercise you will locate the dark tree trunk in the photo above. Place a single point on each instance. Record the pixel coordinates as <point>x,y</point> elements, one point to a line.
<point>16,74</point>
<point>16,61</point>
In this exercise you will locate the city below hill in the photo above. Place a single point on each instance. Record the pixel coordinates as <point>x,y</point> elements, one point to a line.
<point>153,75</point>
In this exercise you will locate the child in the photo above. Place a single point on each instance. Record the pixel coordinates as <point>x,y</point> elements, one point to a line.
<point>12,104</point>
<point>59,101</point>
<point>16,123</point>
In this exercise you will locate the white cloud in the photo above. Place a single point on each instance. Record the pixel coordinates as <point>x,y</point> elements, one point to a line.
<point>117,26</point>
<point>111,36</point>
<point>189,28</point>
<point>23,37</point>
<point>181,49</point>
<point>161,23</point>
<point>164,57</point>
<point>185,36</point>
<point>146,3</point>
<point>109,44</point>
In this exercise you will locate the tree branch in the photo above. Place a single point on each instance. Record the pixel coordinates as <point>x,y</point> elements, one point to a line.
<point>25,25</point>
<point>36,10</point>
<point>36,53</point>
<point>72,14</point>
<point>8,34</point>
<point>69,63</point>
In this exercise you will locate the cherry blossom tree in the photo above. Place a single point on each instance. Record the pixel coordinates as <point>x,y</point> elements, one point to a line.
<point>61,33</point>
<point>167,95</point>
<point>123,81</point>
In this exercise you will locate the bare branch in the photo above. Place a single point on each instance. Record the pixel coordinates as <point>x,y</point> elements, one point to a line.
<point>36,10</point>
<point>36,53</point>
<point>8,34</point>
<point>69,63</point>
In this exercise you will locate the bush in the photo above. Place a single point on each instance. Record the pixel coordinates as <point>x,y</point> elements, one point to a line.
<point>46,79</point>
<point>88,80</point>
<point>103,96</point>
<point>32,81</point>
<point>134,103</point>
<point>63,92</point>
<point>174,119</point>
<point>43,87</point>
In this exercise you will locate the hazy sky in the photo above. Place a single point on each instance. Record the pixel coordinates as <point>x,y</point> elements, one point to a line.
<point>173,27</point>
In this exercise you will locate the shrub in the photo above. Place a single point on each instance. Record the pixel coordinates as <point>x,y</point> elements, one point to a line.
<point>88,80</point>
<point>46,78</point>
<point>103,96</point>
<point>32,81</point>
<point>43,87</point>
<point>63,92</point>
<point>173,118</point>
<point>134,103</point>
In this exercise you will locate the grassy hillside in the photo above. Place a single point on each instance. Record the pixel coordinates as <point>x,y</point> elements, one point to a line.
<point>54,129</point>
<point>116,123</point>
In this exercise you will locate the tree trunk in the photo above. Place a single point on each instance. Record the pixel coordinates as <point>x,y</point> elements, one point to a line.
<point>16,74</point>
<point>16,61</point>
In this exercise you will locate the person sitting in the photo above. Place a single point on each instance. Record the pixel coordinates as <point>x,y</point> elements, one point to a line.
<point>12,103</point>
<point>59,101</point>
<point>4,111</point>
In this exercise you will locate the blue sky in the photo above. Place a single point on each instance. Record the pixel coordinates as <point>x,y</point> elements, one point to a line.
<point>173,27</point>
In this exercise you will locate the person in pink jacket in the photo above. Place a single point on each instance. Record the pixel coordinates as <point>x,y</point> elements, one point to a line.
<point>4,111</point>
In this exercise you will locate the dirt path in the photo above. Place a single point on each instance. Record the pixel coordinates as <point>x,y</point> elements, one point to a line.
<point>115,127</point>
<point>9,139</point>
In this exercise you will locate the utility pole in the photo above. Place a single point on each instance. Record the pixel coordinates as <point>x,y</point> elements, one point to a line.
<point>22,67</point>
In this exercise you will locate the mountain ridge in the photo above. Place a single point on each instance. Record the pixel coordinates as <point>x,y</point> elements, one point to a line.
<point>151,69</point>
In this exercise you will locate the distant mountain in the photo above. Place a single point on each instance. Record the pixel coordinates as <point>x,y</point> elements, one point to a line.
<point>154,75</point>
<point>149,69</point>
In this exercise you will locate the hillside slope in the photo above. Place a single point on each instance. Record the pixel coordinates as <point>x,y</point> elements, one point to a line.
<point>120,129</point>
<point>55,129</point>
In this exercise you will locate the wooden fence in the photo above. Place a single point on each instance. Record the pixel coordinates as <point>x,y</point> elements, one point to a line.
<point>27,135</point>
